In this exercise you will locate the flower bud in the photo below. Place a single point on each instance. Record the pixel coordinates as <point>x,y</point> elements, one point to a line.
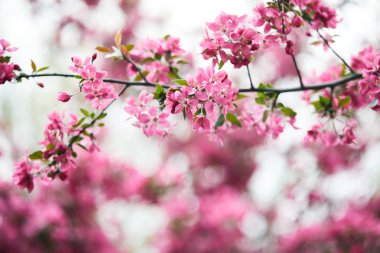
<point>63,97</point>
<point>297,21</point>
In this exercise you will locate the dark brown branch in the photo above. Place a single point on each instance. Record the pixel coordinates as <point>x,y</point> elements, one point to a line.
<point>250,78</point>
<point>352,77</point>
<point>298,70</point>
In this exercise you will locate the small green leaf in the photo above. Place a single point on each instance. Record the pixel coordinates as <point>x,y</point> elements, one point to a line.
<point>182,62</point>
<point>85,112</point>
<point>50,146</point>
<point>199,111</point>
<point>101,125</point>
<point>76,139</point>
<point>42,69</point>
<point>325,102</point>
<point>5,59</point>
<point>167,36</point>
<point>140,77</point>
<point>157,56</point>
<point>160,91</point>
<point>221,64</point>
<point>79,123</point>
<point>288,112</point>
<point>129,47</point>
<point>233,119</point>
<point>78,77</point>
<point>241,96</point>
<point>344,101</point>
<point>181,82</point>
<point>220,121</point>
<point>265,115</point>
<point>148,59</point>
<point>104,49</point>
<point>260,101</point>
<point>102,116</point>
<point>34,67</point>
<point>36,155</point>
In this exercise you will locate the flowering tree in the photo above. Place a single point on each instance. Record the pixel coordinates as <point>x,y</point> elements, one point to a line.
<point>207,203</point>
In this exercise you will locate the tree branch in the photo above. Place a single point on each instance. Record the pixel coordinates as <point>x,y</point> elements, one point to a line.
<point>352,77</point>
<point>298,70</point>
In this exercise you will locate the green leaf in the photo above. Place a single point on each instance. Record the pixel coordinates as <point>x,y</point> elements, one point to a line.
<point>265,115</point>
<point>233,119</point>
<point>79,123</point>
<point>344,101</point>
<point>148,59</point>
<point>220,121</point>
<point>102,116</point>
<point>5,59</point>
<point>101,125</point>
<point>157,56</point>
<point>42,69</point>
<point>76,139</point>
<point>241,96</point>
<point>288,112</point>
<point>85,112</point>
<point>167,36</point>
<point>78,77</point>
<point>221,64</point>
<point>260,101</point>
<point>160,91</point>
<point>50,146</point>
<point>182,62</point>
<point>34,67</point>
<point>140,77</point>
<point>129,47</point>
<point>104,49</point>
<point>181,82</point>
<point>199,111</point>
<point>325,102</point>
<point>36,155</point>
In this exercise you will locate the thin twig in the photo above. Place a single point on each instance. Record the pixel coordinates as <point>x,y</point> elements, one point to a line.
<point>334,52</point>
<point>250,78</point>
<point>298,70</point>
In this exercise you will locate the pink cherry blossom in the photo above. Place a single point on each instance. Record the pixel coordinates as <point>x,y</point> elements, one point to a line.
<point>23,175</point>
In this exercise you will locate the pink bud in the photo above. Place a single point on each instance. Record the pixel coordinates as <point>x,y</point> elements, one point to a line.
<point>63,97</point>
<point>297,21</point>
<point>289,47</point>
<point>94,56</point>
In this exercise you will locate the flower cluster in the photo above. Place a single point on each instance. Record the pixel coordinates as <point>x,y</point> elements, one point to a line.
<point>97,92</point>
<point>23,176</point>
<point>214,227</point>
<point>148,117</point>
<point>367,62</point>
<point>158,59</point>
<point>206,96</point>
<point>332,137</point>
<point>357,231</point>
<point>57,154</point>
<point>7,68</point>
<point>230,39</point>
<point>279,19</point>
<point>262,121</point>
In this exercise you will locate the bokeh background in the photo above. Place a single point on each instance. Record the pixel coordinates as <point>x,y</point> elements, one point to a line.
<point>51,31</point>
